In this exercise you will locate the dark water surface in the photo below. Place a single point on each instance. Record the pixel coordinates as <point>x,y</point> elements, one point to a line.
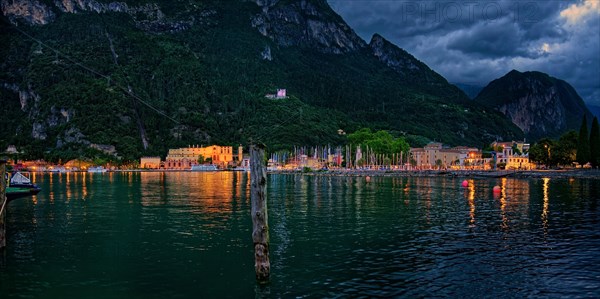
<point>188,235</point>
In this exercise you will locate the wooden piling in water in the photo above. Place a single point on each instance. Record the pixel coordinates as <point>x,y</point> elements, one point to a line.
<point>260,221</point>
<point>3,202</point>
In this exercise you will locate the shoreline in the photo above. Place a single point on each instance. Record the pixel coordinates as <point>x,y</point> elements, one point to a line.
<point>552,173</point>
<point>563,173</point>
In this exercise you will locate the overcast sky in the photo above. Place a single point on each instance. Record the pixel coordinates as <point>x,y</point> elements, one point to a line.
<point>474,42</point>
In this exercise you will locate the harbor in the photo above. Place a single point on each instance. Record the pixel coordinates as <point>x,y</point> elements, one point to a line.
<point>133,233</point>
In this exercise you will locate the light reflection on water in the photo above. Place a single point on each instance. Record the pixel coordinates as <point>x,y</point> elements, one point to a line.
<point>179,234</point>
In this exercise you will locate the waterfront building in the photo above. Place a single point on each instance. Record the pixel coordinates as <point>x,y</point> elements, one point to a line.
<point>427,156</point>
<point>77,165</point>
<point>514,154</point>
<point>184,158</point>
<point>150,162</point>
<point>434,155</point>
<point>474,160</point>
<point>417,157</point>
<point>455,157</point>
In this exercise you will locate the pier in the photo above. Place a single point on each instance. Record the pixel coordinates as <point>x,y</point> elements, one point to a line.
<point>3,202</point>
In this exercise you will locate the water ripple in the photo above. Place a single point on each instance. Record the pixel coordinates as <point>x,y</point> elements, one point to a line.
<point>131,234</point>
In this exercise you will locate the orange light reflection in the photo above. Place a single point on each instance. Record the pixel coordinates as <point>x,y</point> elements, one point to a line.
<point>472,201</point>
<point>546,203</point>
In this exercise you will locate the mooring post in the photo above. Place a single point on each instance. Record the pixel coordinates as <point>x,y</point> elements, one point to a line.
<point>3,202</point>
<point>260,221</point>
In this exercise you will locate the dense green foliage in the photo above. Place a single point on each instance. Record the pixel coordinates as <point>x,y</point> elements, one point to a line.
<point>583,144</point>
<point>595,143</point>
<point>206,84</point>
<point>566,149</point>
<point>380,142</point>
<point>541,152</point>
<point>555,152</point>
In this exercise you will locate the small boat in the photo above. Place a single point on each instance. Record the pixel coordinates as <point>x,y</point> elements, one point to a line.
<point>97,169</point>
<point>20,185</point>
<point>58,169</point>
<point>203,167</point>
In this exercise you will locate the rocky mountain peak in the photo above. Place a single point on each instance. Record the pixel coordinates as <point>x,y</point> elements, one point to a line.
<point>537,103</point>
<point>394,57</point>
<point>306,23</point>
<point>31,11</point>
<point>409,67</point>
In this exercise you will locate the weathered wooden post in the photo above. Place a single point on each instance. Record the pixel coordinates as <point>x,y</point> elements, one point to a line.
<point>3,202</point>
<point>260,221</point>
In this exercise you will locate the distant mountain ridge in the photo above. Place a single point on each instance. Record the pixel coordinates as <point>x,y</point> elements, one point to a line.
<point>203,69</point>
<point>471,90</point>
<point>541,105</point>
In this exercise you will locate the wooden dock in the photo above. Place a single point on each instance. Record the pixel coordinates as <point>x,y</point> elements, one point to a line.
<point>3,202</point>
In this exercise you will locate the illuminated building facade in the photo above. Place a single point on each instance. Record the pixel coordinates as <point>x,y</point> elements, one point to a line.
<point>515,155</point>
<point>434,155</point>
<point>184,158</point>
<point>150,162</point>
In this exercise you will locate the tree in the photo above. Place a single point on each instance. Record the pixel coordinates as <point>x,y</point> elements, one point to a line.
<point>380,142</point>
<point>583,144</point>
<point>541,152</point>
<point>564,153</point>
<point>201,159</point>
<point>360,162</point>
<point>595,143</point>
<point>387,161</point>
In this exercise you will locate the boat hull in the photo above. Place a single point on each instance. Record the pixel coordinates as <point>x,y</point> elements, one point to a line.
<point>13,193</point>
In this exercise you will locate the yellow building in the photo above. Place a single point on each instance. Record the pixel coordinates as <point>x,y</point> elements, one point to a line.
<point>519,162</point>
<point>475,160</point>
<point>150,162</point>
<point>434,155</point>
<point>184,158</point>
<point>513,154</point>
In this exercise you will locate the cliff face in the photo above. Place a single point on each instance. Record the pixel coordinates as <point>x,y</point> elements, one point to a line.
<point>31,11</point>
<point>306,23</point>
<point>406,65</point>
<point>412,71</point>
<point>148,17</point>
<point>542,106</point>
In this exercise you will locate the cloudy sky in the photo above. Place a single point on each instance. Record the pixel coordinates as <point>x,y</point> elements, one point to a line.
<point>474,42</point>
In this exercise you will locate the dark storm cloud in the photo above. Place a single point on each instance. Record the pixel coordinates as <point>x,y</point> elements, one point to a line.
<point>492,41</point>
<point>475,42</point>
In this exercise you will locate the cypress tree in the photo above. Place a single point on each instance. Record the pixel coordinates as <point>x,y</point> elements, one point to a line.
<point>583,144</point>
<point>595,143</point>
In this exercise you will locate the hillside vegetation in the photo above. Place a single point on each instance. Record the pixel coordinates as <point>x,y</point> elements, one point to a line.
<point>206,83</point>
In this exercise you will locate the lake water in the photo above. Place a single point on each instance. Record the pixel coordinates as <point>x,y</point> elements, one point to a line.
<point>188,235</point>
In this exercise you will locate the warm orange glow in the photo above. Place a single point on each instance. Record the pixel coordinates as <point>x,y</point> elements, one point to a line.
<point>503,204</point>
<point>546,202</point>
<point>472,201</point>
<point>84,186</point>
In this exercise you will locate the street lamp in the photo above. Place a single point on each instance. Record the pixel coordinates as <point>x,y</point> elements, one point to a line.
<point>549,156</point>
